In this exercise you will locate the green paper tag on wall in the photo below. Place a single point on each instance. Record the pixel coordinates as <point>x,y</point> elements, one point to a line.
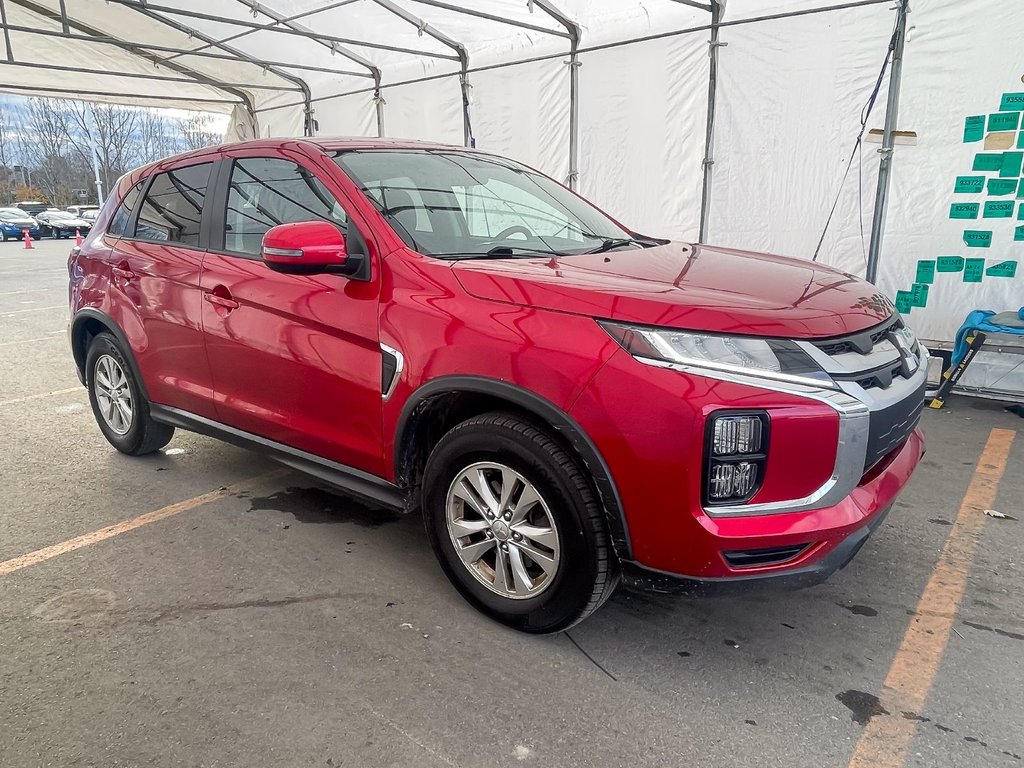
<point>903,302</point>
<point>919,295</point>
<point>963,211</point>
<point>1020,213</point>
<point>974,238</point>
<point>925,271</point>
<point>1012,102</point>
<point>999,209</point>
<point>1020,190</point>
<point>988,161</point>
<point>969,185</point>
<point>949,263</point>
<point>974,128</point>
<point>1001,186</point>
<point>1005,269</point>
<point>1020,140</point>
<point>974,270</point>
<point>1018,235</point>
<point>1010,169</point>
<point>1003,121</point>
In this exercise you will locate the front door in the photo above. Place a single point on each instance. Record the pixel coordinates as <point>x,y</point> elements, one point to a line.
<point>295,359</point>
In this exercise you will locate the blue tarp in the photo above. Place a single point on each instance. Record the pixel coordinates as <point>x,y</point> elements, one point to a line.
<point>980,320</point>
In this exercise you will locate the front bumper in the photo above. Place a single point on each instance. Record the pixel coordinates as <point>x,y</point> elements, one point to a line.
<point>635,576</point>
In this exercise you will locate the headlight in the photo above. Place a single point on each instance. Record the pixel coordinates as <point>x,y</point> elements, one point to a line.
<point>776,359</point>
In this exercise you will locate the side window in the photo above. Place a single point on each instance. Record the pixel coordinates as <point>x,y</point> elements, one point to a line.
<point>173,207</point>
<point>123,214</point>
<point>265,192</point>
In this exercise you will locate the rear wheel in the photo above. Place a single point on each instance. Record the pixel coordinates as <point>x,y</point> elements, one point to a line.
<point>516,526</point>
<point>117,401</point>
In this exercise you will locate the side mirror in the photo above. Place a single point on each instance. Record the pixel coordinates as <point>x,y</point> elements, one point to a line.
<point>309,248</point>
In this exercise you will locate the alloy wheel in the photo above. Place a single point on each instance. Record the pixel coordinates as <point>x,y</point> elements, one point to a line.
<point>502,530</point>
<point>113,395</point>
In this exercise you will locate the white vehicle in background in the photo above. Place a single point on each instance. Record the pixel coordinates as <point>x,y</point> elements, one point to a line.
<point>84,211</point>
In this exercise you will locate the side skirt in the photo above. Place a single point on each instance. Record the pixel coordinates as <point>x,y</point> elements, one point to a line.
<point>344,478</point>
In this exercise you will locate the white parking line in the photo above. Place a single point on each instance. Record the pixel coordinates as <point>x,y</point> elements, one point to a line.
<point>30,341</point>
<point>34,309</point>
<point>25,399</point>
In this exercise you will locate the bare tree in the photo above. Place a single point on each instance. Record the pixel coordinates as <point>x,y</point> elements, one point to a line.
<point>197,133</point>
<point>43,139</point>
<point>156,137</point>
<point>110,129</point>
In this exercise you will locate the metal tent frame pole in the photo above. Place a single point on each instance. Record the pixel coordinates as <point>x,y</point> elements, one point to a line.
<point>573,30</point>
<point>892,109</point>
<point>91,32</point>
<point>709,136</point>
<point>333,47</point>
<point>460,50</point>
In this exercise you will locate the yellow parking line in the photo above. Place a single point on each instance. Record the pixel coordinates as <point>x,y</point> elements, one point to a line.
<point>55,550</point>
<point>884,742</point>
<point>41,396</point>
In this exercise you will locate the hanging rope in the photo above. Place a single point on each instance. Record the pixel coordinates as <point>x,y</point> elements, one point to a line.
<point>865,114</point>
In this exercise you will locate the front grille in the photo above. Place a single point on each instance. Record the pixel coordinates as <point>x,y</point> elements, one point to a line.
<point>753,558</point>
<point>861,343</point>
<point>890,427</point>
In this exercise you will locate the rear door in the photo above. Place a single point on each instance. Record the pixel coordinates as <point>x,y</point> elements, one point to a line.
<point>295,358</point>
<point>154,286</point>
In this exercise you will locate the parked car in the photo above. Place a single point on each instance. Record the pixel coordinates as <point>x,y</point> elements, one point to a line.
<point>14,222</point>
<point>56,224</point>
<point>32,207</point>
<point>569,402</point>
<point>81,210</point>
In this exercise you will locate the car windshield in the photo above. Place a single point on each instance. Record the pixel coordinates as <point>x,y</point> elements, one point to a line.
<point>59,215</point>
<point>91,214</point>
<point>8,216</point>
<point>453,204</point>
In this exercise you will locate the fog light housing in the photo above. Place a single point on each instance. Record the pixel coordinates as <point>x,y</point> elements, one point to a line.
<point>736,450</point>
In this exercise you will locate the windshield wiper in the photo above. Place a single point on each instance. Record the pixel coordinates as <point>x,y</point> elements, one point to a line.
<point>618,242</point>
<point>499,252</point>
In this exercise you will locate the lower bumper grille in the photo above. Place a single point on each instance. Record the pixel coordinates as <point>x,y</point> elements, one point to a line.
<point>890,427</point>
<point>753,558</point>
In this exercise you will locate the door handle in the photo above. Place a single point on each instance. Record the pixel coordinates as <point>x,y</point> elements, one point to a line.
<point>122,271</point>
<point>220,301</point>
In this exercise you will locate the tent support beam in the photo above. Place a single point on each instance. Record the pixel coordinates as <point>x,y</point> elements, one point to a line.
<point>141,76</point>
<point>7,31</point>
<point>892,109</point>
<point>308,124</point>
<point>285,20</point>
<point>144,49</point>
<point>78,93</point>
<point>460,51</point>
<point>709,134</point>
<point>573,30</point>
<point>91,32</point>
<point>700,6</point>
<point>284,30</point>
<point>491,17</point>
<point>334,48</point>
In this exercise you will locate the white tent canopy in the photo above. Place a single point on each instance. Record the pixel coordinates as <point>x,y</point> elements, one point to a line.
<point>611,96</point>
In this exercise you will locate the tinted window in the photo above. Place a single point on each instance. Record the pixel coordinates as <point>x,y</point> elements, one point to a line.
<point>265,192</point>
<point>173,207</point>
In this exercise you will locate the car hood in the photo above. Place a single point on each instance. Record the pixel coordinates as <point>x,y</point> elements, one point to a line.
<point>693,287</point>
<point>67,222</point>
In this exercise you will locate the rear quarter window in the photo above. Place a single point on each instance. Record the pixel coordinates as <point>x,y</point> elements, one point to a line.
<point>172,208</point>
<point>123,215</point>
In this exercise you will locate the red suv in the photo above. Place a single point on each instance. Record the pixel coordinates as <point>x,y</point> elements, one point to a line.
<point>569,403</point>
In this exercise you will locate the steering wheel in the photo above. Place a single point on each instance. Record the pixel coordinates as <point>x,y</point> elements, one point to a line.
<point>515,229</point>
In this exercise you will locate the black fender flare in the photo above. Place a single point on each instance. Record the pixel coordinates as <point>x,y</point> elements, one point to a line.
<point>548,414</point>
<point>89,313</point>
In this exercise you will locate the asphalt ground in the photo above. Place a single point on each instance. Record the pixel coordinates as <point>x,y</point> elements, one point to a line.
<point>257,619</point>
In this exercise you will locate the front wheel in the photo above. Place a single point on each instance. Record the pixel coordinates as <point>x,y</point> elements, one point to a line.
<point>516,526</point>
<point>117,401</point>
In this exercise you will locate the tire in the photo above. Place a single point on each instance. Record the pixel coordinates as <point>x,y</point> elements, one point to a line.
<point>133,431</point>
<point>579,570</point>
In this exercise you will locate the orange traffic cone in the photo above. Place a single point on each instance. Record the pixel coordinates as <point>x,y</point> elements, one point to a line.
<point>28,240</point>
<point>78,238</point>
